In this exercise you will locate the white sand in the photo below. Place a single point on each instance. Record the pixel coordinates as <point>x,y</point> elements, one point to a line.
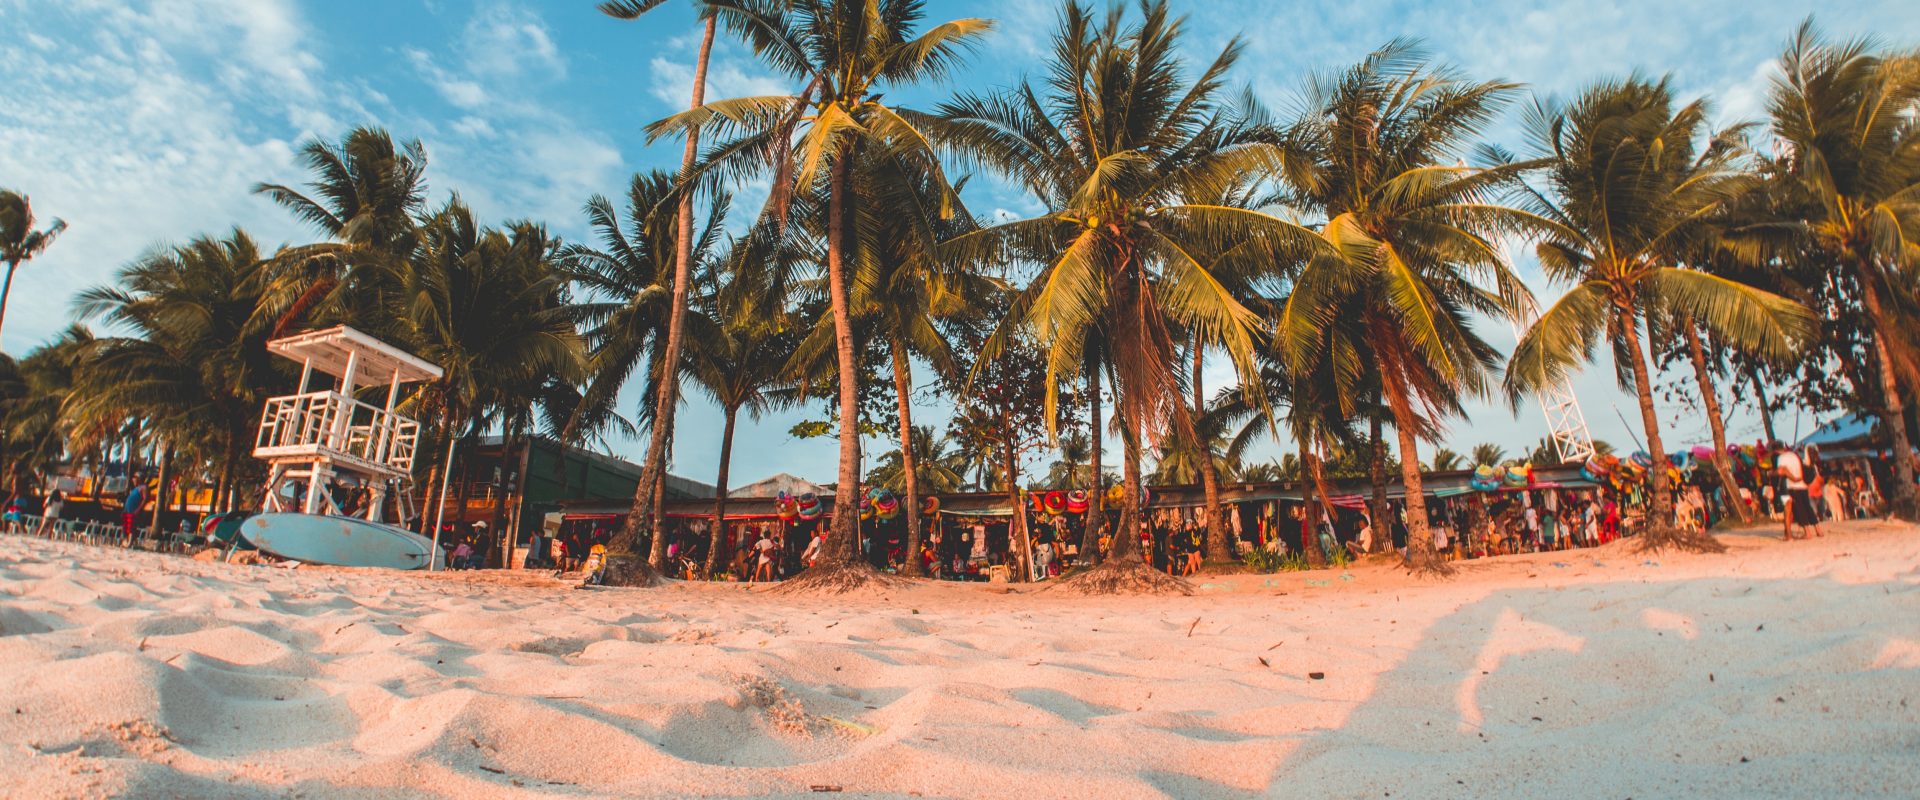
<point>1784,670</point>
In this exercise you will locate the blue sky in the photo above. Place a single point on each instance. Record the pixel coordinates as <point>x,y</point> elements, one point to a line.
<point>145,122</point>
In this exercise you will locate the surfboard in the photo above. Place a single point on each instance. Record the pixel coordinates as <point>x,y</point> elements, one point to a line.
<point>338,541</point>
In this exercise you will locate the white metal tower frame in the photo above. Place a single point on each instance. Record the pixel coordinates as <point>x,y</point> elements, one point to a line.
<point>1566,423</point>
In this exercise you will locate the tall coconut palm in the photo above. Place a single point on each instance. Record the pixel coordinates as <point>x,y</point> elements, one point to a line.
<point>902,293</point>
<point>847,53</point>
<point>1634,179</point>
<point>1128,152</point>
<point>1846,111</point>
<point>667,387</point>
<point>489,308</point>
<point>1416,231</point>
<point>364,195</point>
<point>627,278</point>
<point>194,363</point>
<point>744,338</point>
<point>19,242</point>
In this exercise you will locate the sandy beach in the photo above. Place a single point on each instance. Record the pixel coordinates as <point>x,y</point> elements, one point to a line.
<point>1774,670</point>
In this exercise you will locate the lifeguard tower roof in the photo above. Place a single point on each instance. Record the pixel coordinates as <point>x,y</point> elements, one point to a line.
<point>328,350</point>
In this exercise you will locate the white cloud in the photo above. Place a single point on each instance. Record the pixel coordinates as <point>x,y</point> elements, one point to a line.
<point>732,71</point>
<point>506,40</point>
<point>135,136</point>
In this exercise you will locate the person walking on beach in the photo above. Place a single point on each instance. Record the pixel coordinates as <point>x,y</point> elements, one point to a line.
<point>1800,512</point>
<point>50,512</point>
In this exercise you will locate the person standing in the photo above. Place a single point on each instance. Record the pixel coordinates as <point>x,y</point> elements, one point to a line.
<point>136,501</point>
<point>763,558</point>
<point>1799,512</point>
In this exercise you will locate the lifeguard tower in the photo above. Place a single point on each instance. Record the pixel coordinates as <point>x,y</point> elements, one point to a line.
<point>318,435</point>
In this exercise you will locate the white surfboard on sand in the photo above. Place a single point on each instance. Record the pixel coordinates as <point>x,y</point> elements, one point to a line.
<point>338,541</point>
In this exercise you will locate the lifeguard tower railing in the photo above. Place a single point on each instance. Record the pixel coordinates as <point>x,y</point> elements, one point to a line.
<point>327,426</point>
<point>332,425</point>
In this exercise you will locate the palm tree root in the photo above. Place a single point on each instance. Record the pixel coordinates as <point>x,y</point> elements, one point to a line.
<point>839,577</point>
<point>1122,576</point>
<point>1427,565</point>
<point>1664,537</point>
<point>626,569</point>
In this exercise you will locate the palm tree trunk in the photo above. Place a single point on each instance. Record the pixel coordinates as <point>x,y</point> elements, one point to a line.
<point>1902,498</point>
<point>1097,496</point>
<point>1766,406</point>
<point>1018,539</point>
<point>720,492</point>
<point>1126,535</point>
<point>1711,400</point>
<point>1421,557</point>
<point>1219,542</point>
<point>843,545</point>
<point>1377,473</point>
<point>663,406</point>
<point>159,488</point>
<point>6,289</point>
<point>903,391</point>
<point>1309,507</point>
<point>1658,530</point>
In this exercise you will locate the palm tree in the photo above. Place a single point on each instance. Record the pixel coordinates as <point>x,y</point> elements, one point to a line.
<point>34,428</point>
<point>901,293</point>
<point>1128,153</point>
<point>847,52</point>
<point>195,366</point>
<point>489,308</point>
<point>627,279</point>
<point>667,386</point>
<point>19,242</point>
<point>744,338</point>
<point>1845,111</point>
<point>1488,454</point>
<point>363,196</point>
<point>1632,195</point>
<point>1416,233</point>
<point>1444,460</point>
<point>1315,419</point>
<point>938,467</point>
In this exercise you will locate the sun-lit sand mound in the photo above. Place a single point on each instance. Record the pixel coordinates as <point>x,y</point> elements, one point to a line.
<point>1775,669</point>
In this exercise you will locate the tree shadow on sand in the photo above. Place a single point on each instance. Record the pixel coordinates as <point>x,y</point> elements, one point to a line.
<point>1708,687</point>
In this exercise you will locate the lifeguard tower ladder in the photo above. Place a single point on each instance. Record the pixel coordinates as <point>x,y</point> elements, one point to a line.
<point>318,435</point>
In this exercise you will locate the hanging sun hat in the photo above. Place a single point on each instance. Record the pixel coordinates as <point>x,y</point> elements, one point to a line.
<point>1055,502</point>
<point>785,507</point>
<point>1077,501</point>
<point>1641,459</point>
<point>1116,494</point>
<point>808,506</point>
<point>1518,475</point>
<point>929,505</point>
<point>887,507</point>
